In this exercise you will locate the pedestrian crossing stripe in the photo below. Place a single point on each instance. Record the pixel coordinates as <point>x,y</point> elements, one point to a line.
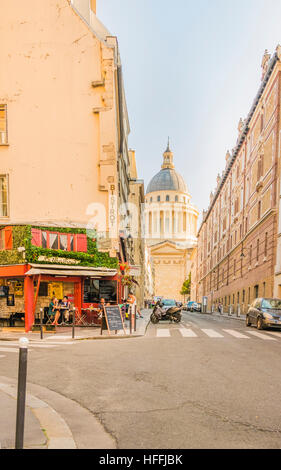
<point>187,333</point>
<point>163,333</point>
<point>236,334</point>
<point>212,333</point>
<point>262,336</point>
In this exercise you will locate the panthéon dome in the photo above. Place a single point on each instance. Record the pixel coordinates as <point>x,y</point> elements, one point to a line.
<point>167,179</point>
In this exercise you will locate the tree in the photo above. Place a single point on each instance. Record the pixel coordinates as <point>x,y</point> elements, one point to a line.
<point>185,290</point>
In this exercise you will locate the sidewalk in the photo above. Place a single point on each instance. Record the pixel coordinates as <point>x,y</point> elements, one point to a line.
<point>81,333</point>
<point>225,315</point>
<point>52,421</point>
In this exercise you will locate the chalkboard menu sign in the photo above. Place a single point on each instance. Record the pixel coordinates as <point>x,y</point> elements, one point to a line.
<point>112,319</point>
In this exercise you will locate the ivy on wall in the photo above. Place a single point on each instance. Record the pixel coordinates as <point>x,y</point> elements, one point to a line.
<point>22,238</point>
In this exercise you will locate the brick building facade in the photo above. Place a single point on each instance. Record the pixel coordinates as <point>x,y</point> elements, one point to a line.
<point>236,255</point>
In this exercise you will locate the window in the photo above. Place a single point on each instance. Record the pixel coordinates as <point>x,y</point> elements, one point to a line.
<point>234,267</point>
<point>176,199</point>
<point>54,244</point>
<point>95,289</point>
<point>260,168</point>
<point>59,241</point>
<point>3,124</point>
<point>167,198</point>
<point>258,249</point>
<point>158,198</point>
<point>151,199</point>
<point>265,244</point>
<point>2,239</point>
<point>3,196</point>
<point>43,289</point>
<point>250,255</point>
<point>44,239</point>
<point>256,291</point>
<point>259,210</point>
<point>63,242</point>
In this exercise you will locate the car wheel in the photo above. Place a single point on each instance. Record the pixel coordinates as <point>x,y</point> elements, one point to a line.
<point>260,324</point>
<point>248,323</point>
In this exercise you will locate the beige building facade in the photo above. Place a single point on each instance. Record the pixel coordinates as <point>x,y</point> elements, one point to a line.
<point>171,225</point>
<point>237,242</point>
<point>63,118</point>
<point>65,166</point>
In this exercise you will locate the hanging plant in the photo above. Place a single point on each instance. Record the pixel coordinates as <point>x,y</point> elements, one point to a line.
<point>123,268</point>
<point>127,281</point>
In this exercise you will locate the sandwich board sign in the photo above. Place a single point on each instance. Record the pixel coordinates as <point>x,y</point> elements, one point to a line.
<point>112,319</point>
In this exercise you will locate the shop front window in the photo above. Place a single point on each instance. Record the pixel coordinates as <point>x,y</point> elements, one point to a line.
<point>95,289</point>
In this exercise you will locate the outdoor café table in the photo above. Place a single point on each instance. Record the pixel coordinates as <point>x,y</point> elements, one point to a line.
<point>61,309</point>
<point>92,316</point>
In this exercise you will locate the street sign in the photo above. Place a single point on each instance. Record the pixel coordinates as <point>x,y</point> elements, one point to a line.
<point>112,319</point>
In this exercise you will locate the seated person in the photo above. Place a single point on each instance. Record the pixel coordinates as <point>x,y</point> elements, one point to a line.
<point>65,307</point>
<point>53,309</point>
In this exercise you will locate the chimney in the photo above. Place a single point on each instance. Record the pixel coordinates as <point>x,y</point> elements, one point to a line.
<point>94,6</point>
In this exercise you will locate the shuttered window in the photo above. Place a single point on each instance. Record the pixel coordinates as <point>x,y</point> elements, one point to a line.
<point>6,238</point>
<point>59,241</point>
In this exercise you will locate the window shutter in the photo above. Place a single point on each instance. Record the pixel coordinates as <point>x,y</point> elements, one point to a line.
<point>36,237</point>
<point>81,242</point>
<point>8,238</point>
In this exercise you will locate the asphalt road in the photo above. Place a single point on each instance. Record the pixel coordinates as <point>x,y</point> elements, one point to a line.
<point>193,385</point>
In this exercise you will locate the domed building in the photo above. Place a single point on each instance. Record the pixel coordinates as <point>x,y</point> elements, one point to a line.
<point>171,228</point>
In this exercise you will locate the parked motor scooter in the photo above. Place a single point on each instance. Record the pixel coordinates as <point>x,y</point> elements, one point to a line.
<point>173,314</point>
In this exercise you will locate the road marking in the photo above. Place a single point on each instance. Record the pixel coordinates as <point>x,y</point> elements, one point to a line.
<point>212,333</point>
<point>275,333</point>
<point>236,334</point>
<point>13,350</point>
<point>187,333</point>
<point>163,333</point>
<point>261,336</point>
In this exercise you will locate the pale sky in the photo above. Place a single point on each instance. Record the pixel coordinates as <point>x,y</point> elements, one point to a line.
<point>191,70</point>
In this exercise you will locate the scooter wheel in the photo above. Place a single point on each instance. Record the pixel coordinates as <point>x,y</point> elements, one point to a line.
<point>154,319</point>
<point>177,319</point>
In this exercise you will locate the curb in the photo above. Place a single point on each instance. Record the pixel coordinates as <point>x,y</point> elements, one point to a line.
<point>58,433</point>
<point>228,316</point>
<point>67,424</point>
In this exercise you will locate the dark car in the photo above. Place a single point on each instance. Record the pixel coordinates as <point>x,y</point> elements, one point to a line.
<point>264,313</point>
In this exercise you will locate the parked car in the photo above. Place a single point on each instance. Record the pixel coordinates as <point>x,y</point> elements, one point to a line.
<point>168,303</point>
<point>264,313</point>
<point>196,307</point>
<point>189,305</point>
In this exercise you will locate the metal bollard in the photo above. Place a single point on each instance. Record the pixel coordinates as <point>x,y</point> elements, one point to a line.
<point>73,323</point>
<point>130,319</point>
<point>21,392</point>
<point>41,323</point>
<point>135,322</point>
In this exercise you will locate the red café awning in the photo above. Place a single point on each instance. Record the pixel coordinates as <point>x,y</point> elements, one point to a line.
<point>63,270</point>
